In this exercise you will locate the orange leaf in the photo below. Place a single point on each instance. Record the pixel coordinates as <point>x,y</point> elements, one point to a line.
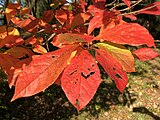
<point>11,41</point>
<point>11,11</point>
<point>19,52</point>
<point>25,10</point>
<point>42,72</point>
<point>39,49</point>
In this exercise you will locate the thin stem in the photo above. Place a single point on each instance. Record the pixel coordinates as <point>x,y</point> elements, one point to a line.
<point>134,12</point>
<point>128,8</point>
<point>110,4</point>
<point>122,4</point>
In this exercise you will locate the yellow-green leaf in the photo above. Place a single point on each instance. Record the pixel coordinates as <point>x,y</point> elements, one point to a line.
<point>121,54</point>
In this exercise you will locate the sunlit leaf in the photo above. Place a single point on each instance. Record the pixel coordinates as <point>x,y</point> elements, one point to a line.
<point>127,33</point>
<point>81,79</point>
<point>113,68</point>
<point>42,72</point>
<point>121,54</point>
<point>146,53</point>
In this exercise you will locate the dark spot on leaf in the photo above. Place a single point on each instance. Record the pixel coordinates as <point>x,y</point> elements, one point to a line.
<point>75,82</point>
<point>98,53</point>
<point>73,72</point>
<point>87,76</point>
<point>77,102</point>
<point>24,57</point>
<point>118,76</point>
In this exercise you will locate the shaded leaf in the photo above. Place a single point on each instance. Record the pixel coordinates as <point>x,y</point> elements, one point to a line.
<point>21,23</point>
<point>146,53</point>
<point>11,41</point>
<point>42,72</point>
<point>48,16</point>
<point>113,68</point>
<point>99,19</point>
<point>127,33</point>
<point>99,3</point>
<point>11,66</point>
<point>121,54</point>
<point>19,52</point>
<point>79,19</point>
<point>81,79</point>
<point>151,10</point>
<point>67,38</point>
<point>11,11</point>
<point>25,11</point>
<point>61,16</point>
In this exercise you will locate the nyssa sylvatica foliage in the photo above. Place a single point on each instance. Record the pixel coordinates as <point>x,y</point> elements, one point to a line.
<point>28,59</point>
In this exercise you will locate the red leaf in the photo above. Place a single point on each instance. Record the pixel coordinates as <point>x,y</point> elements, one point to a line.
<point>93,9</point>
<point>99,19</point>
<point>42,72</point>
<point>11,66</point>
<point>99,3</point>
<point>11,41</point>
<point>132,17</point>
<point>127,33</point>
<point>127,2</point>
<point>79,19</point>
<point>21,23</point>
<point>146,53</point>
<point>48,16</point>
<point>61,16</point>
<point>113,68</point>
<point>81,79</point>
<point>153,10</point>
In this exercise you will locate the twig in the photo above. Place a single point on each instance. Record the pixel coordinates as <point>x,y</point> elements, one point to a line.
<point>122,4</point>
<point>110,4</point>
<point>134,12</point>
<point>128,8</point>
<point>157,41</point>
<point>47,41</point>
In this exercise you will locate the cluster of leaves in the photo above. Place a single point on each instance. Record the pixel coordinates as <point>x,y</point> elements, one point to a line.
<point>32,68</point>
